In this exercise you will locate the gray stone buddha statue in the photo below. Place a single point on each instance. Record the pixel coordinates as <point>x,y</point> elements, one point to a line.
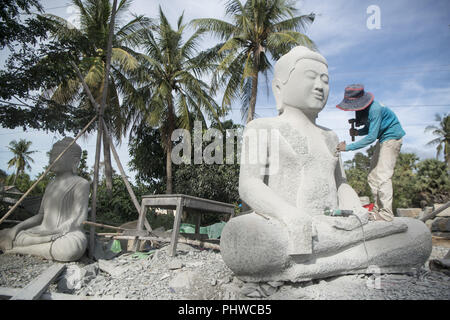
<point>56,231</point>
<point>290,174</point>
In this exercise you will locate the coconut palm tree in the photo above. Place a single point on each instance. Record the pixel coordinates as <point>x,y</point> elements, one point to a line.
<point>93,31</point>
<point>258,27</point>
<point>21,159</point>
<point>442,131</point>
<point>170,91</point>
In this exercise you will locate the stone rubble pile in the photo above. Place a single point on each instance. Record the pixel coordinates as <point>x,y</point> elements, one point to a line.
<point>202,274</point>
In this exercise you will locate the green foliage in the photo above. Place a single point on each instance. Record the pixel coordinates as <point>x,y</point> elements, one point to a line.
<point>160,220</point>
<point>356,171</point>
<point>404,182</point>
<point>3,176</point>
<point>13,30</point>
<point>433,181</point>
<point>357,179</point>
<point>442,142</point>
<point>218,182</point>
<point>148,159</point>
<point>23,182</point>
<point>83,169</point>
<point>118,208</point>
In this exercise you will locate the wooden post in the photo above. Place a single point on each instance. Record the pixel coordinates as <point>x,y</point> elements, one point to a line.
<point>103,225</point>
<point>198,220</point>
<point>176,227</point>
<point>436,212</point>
<point>94,191</point>
<point>100,125</point>
<point>122,171</point>
<point>106,131</point>
<point>46,171</point>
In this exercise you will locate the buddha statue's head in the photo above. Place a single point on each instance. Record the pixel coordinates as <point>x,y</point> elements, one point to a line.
<point>70,160</point>
<point>301,81</point>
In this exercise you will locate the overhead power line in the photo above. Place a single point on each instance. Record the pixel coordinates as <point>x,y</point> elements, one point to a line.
<point>390,106</point>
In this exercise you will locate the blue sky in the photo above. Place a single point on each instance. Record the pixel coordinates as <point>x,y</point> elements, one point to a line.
<point>405,64</point>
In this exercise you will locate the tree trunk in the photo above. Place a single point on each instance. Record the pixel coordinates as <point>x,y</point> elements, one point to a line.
<point>108,165</point>
<point>169,187</point>
<point>251,108</point>
<point>171,124</point>
<point>15,177</point>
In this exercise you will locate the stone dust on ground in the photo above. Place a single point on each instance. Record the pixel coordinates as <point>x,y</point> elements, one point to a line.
<point>201,274</point>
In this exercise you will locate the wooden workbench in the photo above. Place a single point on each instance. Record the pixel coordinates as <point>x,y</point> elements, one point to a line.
<point>180,202</point>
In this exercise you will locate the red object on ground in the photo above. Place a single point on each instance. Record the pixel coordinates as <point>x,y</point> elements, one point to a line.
<point>369,206</point>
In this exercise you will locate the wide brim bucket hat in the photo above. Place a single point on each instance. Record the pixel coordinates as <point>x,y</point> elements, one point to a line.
<point>355,98</point>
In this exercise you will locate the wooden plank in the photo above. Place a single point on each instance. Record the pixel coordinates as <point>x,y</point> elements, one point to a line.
<point>436,212</point>
<point>170,197</point>
<point>169,202</point>
<point>153,202</point>
<point>147,224</point>
<point>208,206</point>
<point>198,221</point>
<point>187,241</point>
<point>96,224</point>
<point>9,292</point>
<point>34,290</point>
<point>142,213</point>
<point>176,227</point>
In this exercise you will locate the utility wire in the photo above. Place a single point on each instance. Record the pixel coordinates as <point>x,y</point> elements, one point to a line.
<point>390,106</point>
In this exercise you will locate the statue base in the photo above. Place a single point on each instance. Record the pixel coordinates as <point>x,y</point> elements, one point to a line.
<point>255,250</point>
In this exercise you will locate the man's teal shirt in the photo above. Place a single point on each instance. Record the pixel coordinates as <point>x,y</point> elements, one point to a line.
<point>382,124</point>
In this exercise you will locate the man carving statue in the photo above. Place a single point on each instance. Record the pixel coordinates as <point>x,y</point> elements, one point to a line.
<point>56,231</point>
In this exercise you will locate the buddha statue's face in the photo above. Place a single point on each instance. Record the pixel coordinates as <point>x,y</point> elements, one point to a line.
<point>67,163</point>
<point>307,87</point>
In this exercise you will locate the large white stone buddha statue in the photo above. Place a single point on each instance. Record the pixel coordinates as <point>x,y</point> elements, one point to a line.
<point>297,175</point>
<point>56,231</point>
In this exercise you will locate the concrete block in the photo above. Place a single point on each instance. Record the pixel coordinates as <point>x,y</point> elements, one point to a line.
<point>409,212</point>
<point>445,213</point>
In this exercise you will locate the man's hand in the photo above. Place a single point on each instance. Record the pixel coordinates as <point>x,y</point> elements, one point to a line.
<point>341,146</point>
<point>353,132</point>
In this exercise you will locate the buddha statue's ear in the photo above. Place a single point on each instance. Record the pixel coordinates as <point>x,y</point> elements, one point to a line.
<point>75,166</point>
<point>276,88</point>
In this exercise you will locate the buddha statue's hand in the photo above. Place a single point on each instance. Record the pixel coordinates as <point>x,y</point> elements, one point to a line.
<point>6,239</point>
<point>300,230</point>
<point>342,223</point>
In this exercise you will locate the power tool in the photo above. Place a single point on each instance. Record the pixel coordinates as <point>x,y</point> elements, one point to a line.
<point>345,213</point>
<point>337,212</point>
<point>352,122</point>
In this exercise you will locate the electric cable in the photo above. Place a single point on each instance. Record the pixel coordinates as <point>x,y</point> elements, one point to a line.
<point>364,238</point>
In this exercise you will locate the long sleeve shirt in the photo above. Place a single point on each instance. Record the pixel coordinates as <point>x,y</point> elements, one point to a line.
<point>382,124</point>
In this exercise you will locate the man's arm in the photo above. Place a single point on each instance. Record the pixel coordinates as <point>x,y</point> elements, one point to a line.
<point>374,128</point>
<point>363,131</point>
